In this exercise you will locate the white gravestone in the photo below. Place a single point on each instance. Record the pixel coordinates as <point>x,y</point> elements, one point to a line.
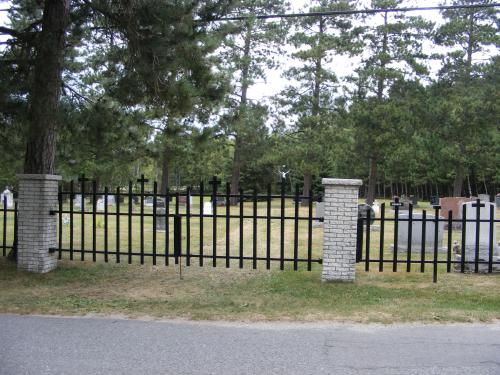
<point>376,208</point>
<point>100,204</point>
<point>320,212</point>
<point>484,197</point>
<point>77,202</point>
<point>111,200</point>
<point>207,208</point>
<point>416,233</point>
<point>484,228</point>
<point>8,198</point>
<point>148,202</point>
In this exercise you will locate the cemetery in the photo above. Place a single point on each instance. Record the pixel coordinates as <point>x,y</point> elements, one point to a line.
<point>322,146</point>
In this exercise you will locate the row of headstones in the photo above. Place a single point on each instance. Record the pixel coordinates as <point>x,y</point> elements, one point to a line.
<point>456,208</point>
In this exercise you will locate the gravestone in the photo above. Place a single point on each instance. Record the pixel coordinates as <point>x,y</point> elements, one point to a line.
<point>416,233</point>
<point>484,197</point>
<point>100,204</point>
<point>453,204</point>
<point>8,198</point>
<point>148,202</point>
<point>376,208</point>
<point>404,203</point>
<point>484,235</point>
<point>160,214</point>
<point>207,208</point>
<point>320,213</point>
<point>77,202</point>
<point>111,200</point>
<point>434,200</point>
<point>183,199</point>
<point>497,200</point>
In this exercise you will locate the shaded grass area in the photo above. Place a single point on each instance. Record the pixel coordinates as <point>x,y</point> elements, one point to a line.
<point>231,294</point>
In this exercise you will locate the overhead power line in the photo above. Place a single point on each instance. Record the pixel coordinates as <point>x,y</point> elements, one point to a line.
<point>333,13</point>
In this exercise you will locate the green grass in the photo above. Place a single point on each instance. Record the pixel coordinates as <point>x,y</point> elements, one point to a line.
<point>78,288</point>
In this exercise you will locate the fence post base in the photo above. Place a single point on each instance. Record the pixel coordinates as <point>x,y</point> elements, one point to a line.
<point>37,228</point>
<point>339,241</point>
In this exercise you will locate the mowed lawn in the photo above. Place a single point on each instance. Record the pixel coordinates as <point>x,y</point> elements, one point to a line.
<point>239,294</point>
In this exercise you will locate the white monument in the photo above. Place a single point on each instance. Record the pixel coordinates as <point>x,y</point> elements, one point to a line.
<point>77,202</point>
<point>207,208</point>
<point>7,198</point>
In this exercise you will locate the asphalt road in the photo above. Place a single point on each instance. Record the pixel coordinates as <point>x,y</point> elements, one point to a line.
<point>55,345</point>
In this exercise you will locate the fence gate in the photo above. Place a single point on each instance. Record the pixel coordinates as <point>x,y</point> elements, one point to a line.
<point>196,225</point>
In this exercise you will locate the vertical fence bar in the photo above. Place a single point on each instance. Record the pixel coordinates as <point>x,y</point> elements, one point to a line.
<point>360,237</point>
<point>188,227</point>
<point>424,236</point>
<point>450,235</point>
<point>177,217</point>
<point>491,244</point>
<point>94,219</point>
<point>228,223</point>
<point>282,226</point>
<point>309,232</point>
<point>268,228</point>
<point>71,224</point>
<point>167,226</point>
<point>60,200</point>
<point>478,223</point>
<point>410,234</point>
<point>14,244</point>
<point>382,228</point>
<point>155,206</point>
<point>296,229</point>
<point>142,180</point>
<point>435,261</point>
<point>241,229</point>
<point>254,222</point>
<point>130,202</point>
<point>368,233</point>
<point>464,223</point>
<point>106,224</point>
<point>82,221</point>
<point>177,236</point>
<point>214,222</point>
<point>201,224</point>
<point>117,202</point>
<point>4,233</point>
<point>396,229</point>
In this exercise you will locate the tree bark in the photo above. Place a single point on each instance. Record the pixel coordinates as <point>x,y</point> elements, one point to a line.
<point>370,194</point>
<point>46,89</point>
<point>459,180</point>
<point>242,117</point>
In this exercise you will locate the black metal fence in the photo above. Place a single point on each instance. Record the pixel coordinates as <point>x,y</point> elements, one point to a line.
<point>469,246</point>
<point>144,224</point>
<point>9,227</point>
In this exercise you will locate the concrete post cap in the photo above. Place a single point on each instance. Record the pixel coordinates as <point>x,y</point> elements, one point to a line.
<point>342,181</point>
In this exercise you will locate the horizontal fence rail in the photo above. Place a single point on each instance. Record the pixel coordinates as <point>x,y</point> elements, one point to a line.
<point>469,246</point>
<point>139,224</point>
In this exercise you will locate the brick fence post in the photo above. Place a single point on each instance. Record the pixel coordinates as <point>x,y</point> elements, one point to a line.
<point>339,241</point>
<point>37,228</point>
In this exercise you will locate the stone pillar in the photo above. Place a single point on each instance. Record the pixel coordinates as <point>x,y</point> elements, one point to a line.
<point>37,228</point>
<point>339,242</point>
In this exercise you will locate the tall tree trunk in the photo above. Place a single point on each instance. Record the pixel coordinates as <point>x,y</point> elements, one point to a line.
<point>372,180</point>
<point>242,116</point>
<point>46,89</point>
<point>315,110</point>
<point>307,187</point>
<point>235,173</point>
<point>165,169</point>
<point>370,194</point>
<point>459,180</point>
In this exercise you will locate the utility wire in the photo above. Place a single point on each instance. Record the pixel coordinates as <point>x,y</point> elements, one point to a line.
<point>333,13</point>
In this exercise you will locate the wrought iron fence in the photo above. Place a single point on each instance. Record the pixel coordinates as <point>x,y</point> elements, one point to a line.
<point>474,248</point>
<point>183,232</point>
<point>8,215</point>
